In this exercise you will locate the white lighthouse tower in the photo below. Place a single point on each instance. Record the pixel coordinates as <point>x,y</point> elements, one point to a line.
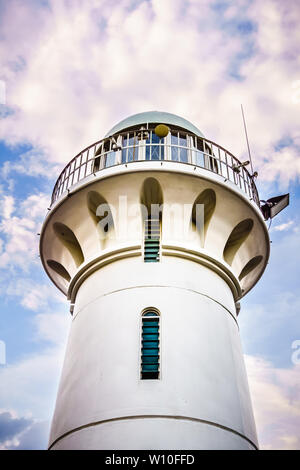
<point>154,359</point>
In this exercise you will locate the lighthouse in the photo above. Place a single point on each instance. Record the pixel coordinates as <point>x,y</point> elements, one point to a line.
<point>154,234</point>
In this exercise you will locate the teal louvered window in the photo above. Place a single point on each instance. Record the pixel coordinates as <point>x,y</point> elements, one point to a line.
<point>150,345</point>
<point>152,240</point>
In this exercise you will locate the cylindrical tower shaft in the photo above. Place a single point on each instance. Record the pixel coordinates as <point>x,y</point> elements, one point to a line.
<point>201,399</point>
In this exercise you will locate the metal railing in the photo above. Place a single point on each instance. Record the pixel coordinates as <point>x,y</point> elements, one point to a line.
<point>133,146</point>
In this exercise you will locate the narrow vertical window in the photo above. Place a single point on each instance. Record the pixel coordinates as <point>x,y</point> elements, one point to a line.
<point>152,240</point>
<point>155,147</point>
<point>183,151</point>
<point>150,345</point>
<point>98,154</point>
<point>109,154</point>
<point>130,148</point>
<point>174,146</point>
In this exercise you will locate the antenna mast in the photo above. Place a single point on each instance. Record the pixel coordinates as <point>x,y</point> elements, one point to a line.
<point>250,158</point>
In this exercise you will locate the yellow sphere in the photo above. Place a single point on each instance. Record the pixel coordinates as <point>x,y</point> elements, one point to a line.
<point>161,130</point>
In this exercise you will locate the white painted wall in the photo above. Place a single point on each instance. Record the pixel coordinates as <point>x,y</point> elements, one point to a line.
<point>201,399</point>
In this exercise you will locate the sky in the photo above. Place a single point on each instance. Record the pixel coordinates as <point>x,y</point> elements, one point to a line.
<point>69,71</point>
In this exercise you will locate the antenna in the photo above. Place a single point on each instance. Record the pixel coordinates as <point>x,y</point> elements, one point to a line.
<point>250,158</point>
<point>274,205</point>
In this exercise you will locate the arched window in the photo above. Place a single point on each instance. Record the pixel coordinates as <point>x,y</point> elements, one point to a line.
<point>152,201</point>
<point>59,269</point>
<point>152,240</point>
<point>207,199</point>
<point>69,240</point>
<point>100,211</point>
<point>250,266</point>
<point>237,237</point>
<point>150,345</point>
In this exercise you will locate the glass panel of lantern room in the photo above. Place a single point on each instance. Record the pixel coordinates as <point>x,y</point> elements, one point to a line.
<point>183,151</point>
<point>157,150</point>
<point>174,150</point>
<point>199,154</point>
<point>162,148</point>
<point>148,146</point>
<point>110,159</point>
<point>130,148</point>
<point>124,149</point>
<point>192,146</point>
<point>108,154</point>
<point>130,144</point>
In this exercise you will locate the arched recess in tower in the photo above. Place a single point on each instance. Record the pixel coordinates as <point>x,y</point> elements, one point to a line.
<point>152,195</point>
<point>59,269</point>
<point>100,213</point>
<point>250,266</point>
<point>207,199</point>
<point>152,202</point>
<point>69,240</point>
<point>237,237</point>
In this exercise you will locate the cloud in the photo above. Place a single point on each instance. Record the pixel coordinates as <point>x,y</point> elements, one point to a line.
<point>274,302</point>
<point>11,426</point>
<point>275,394</point>
<point>34,438</point>
<point>284,226</point>
<point>19,226</point>
<point>143,54</point>
<point>20,433</point>
<point>19,261</point>
<point>52,327</point>
<point>29,385</point>
<point>36,376</point>
<point>7,206</point>
<point>32,163</point>
<point>32,294</point>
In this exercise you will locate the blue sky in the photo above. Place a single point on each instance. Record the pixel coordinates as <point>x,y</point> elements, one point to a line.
<point>71,71</point>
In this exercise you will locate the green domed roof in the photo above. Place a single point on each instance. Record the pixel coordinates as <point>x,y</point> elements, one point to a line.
<point>154,117</point>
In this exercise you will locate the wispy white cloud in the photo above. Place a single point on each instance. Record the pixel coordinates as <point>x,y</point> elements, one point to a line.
<point>29,385</point>
<point>31,163</point>
<point>284,226</point>
<point>26,416</point>
<point>274,303</point>
<point>275,394</point>
<point>142,55</point>
<point>10,427</point>
<point>35,206</point>
<point>21,221</point>
<point>19,226</point>
<point>34,438</point>
<point>33,295</point>
<point>22,432</point>
<point>52,327</point>
<point>7,207</point>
